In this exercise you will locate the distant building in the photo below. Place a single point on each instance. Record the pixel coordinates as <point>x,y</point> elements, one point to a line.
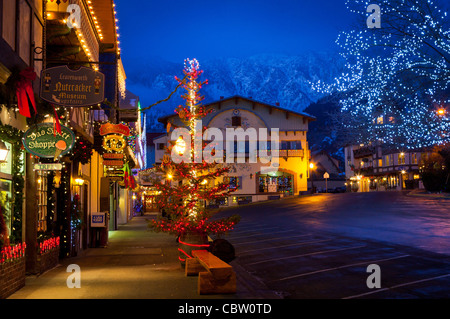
<point>325,163</point>
<point>377,167</point>
<point>250,182</point>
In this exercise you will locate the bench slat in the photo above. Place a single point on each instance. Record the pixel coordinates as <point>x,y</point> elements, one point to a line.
<point>214,265</point>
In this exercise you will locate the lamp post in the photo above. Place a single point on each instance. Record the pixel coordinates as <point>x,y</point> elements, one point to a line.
<point>311,168</point>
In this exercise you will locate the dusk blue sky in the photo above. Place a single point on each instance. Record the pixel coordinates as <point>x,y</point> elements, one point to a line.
<point>203,29</point>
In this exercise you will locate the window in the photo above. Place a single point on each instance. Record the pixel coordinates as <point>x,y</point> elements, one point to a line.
<point>380,162</point>
<point>291,145</point>
<point>235,182</point>
<point>236,121</point>
<point>386,160</point>
<point>380,119</point>
<point>401,158</point>
<point>413,158</point>
<point>160,146</point>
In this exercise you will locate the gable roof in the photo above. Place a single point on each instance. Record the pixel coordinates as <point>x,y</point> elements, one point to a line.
<point>164,119</point>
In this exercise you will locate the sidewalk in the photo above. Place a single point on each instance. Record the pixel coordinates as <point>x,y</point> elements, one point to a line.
<point>424,193</point>
<point>137,264</point>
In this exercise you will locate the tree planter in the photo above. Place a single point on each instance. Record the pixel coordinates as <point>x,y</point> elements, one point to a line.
<point>47,260</point>
<point>12,276</point>
<point>189,242</point>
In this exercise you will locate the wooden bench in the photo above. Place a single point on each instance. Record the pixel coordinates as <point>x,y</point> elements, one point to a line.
<point>219,277</point>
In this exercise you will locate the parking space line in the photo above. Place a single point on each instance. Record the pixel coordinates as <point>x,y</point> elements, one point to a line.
<point>396,286</point>
<point>260,234</point>
<point>340,267</point>
<point>269,239</point>
<point>239,230</point>
<point>290,245</point>
<point>308,254</point>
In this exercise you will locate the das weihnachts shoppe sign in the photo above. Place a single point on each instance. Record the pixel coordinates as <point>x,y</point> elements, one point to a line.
<point>43,140</point>
<point>63,86</point>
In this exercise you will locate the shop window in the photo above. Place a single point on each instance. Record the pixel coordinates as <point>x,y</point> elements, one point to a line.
<point>5,201</point>
<point>401,158</point>
<point>272,184</point>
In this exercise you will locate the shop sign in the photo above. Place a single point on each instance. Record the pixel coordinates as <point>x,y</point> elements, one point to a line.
<point>63,86</point>
<point>115,178</point>
<point>112,163</point>
<point>113,156</point>
<point>43,140</point>
<point>98,219</point>
<point>48,166</point>
<point>109,128</point>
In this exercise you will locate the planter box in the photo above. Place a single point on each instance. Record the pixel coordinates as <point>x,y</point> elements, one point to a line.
<point>47,260</point>
<point>12,277</point>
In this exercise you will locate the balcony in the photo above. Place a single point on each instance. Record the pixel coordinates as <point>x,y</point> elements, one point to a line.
<point>291,153</point>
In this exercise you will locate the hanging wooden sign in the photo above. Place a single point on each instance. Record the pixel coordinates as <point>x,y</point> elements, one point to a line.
<point>43,140</point>
<point>109,128</point>
<point>63,86</point>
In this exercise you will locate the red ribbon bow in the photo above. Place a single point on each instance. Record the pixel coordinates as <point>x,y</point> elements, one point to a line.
<point>24,89</point>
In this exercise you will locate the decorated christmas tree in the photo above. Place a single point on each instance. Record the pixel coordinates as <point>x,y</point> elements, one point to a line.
<point>185,188</point>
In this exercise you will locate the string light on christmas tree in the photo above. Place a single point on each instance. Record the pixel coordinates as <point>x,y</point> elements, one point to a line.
<point>185,188</point>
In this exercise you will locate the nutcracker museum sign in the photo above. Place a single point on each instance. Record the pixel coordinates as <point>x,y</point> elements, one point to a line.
<point>43,140</point>
<point>63,86</point>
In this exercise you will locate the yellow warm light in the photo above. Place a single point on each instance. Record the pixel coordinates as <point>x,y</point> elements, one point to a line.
<point>441,111</point>
<point>169,176</point>
<point>180,146</point>
<point>79,181</point>
<point>311,165</point>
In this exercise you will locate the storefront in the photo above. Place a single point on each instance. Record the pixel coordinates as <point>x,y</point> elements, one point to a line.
<point>279,183</point>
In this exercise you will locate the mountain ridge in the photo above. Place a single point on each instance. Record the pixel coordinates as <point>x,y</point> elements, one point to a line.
<point>269,78</point>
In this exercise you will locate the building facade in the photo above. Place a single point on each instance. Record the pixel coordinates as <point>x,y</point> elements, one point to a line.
<point>379,168</point>
<point>248,177</point>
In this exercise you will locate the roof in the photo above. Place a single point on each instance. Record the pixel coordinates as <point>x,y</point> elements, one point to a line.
<point>163,119</point>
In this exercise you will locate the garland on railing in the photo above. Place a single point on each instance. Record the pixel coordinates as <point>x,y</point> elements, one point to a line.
<point>11,253</point>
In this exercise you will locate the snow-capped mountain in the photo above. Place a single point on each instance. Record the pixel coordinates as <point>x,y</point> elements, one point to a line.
<point>269,78</point>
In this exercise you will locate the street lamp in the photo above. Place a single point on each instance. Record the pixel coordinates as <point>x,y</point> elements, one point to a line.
<point>311,167</point>
<point>441,111</point>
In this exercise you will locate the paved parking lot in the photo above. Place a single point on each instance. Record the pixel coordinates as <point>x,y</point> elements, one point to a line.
<point>298,260</point>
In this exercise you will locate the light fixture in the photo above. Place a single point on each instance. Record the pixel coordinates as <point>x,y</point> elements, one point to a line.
<point>3,152</point>
<point>311,165</point>
<point>169,176</point>
<point>79,181</point>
